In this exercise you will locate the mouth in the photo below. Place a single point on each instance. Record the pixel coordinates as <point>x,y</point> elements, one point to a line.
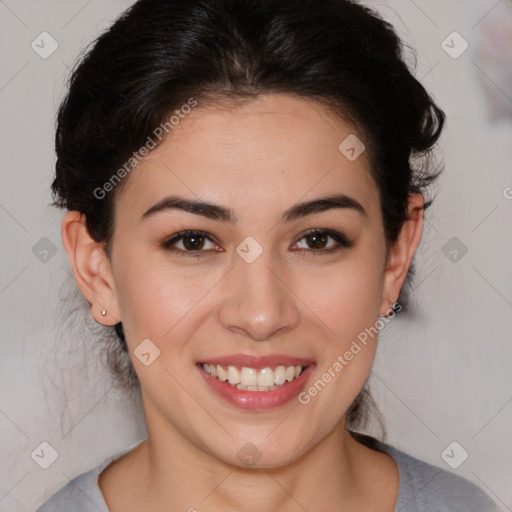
<point>254,379</point>
<point>256,383</point>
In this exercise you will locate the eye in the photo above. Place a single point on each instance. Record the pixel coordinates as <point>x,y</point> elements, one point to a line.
<point>195,243</point>
<point>186,243</point>
<point>318,241</point>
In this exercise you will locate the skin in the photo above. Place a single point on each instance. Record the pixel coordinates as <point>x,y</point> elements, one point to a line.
<point>259,159</point>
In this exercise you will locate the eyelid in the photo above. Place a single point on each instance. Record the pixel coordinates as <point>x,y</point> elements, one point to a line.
<point>169,242</point>
<point>342,241</point>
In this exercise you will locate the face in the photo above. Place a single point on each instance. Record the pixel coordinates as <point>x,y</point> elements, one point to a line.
<point>253,280</point>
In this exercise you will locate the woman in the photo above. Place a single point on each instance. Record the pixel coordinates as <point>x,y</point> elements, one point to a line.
<point>246,185</point>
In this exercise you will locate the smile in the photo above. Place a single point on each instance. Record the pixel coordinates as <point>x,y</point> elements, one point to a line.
<point>256,383</point>
<point>252,379</point>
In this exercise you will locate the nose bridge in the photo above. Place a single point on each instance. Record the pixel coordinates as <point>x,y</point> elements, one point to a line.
<point>257,300</point>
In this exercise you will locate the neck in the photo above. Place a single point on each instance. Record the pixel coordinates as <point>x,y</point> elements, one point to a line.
<point>173,469</point>
<point>182,474</point>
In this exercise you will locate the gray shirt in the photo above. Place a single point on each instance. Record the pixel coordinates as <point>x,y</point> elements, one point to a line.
<point>422,488</point>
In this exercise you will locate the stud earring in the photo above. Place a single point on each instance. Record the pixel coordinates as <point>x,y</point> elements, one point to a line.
<point>395,308</point>
<point>103,312</point>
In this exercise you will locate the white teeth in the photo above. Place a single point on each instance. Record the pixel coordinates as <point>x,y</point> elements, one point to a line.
<point>256,388</point>
<point>221,373</point>
<point>233,375</point>
<point>251,379</point>
<point>266,377</point>
<point>280,375</point>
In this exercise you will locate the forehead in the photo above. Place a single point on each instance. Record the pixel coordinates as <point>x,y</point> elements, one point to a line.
<point>274,150</point>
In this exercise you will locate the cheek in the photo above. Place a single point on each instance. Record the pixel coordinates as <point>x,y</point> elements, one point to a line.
<point>347,297</point>
<point>349,310</point>
<point>347,300</point>
<point>153,295</point>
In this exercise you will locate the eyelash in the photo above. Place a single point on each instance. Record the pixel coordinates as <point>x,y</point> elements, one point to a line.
<point>168,244</point>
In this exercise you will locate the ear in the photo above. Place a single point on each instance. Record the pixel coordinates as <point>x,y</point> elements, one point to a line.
<point>400,254</point>
<point>91,268</point>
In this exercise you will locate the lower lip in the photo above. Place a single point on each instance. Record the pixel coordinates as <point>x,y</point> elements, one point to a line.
<point>258,400</point>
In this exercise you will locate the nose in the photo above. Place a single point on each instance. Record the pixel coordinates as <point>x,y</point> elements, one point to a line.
<point>258,301</point>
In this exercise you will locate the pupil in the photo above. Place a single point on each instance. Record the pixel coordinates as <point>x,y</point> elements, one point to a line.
<point>316,239</point>
<point>193,241</point>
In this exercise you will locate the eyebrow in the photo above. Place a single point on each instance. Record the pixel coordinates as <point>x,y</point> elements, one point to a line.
<point>221,213</point>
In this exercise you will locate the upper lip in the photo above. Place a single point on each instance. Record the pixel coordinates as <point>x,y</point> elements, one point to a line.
<point>257,362</point>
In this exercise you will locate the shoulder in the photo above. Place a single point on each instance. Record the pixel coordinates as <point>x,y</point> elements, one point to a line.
<point>82,494</point>
<point>424,487</point>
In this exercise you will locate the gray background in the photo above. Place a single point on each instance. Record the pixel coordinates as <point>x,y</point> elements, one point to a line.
<point>442,373</point>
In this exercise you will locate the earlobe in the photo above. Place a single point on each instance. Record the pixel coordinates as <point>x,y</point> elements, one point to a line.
<point>401,253</point>
<point>91,268</point>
